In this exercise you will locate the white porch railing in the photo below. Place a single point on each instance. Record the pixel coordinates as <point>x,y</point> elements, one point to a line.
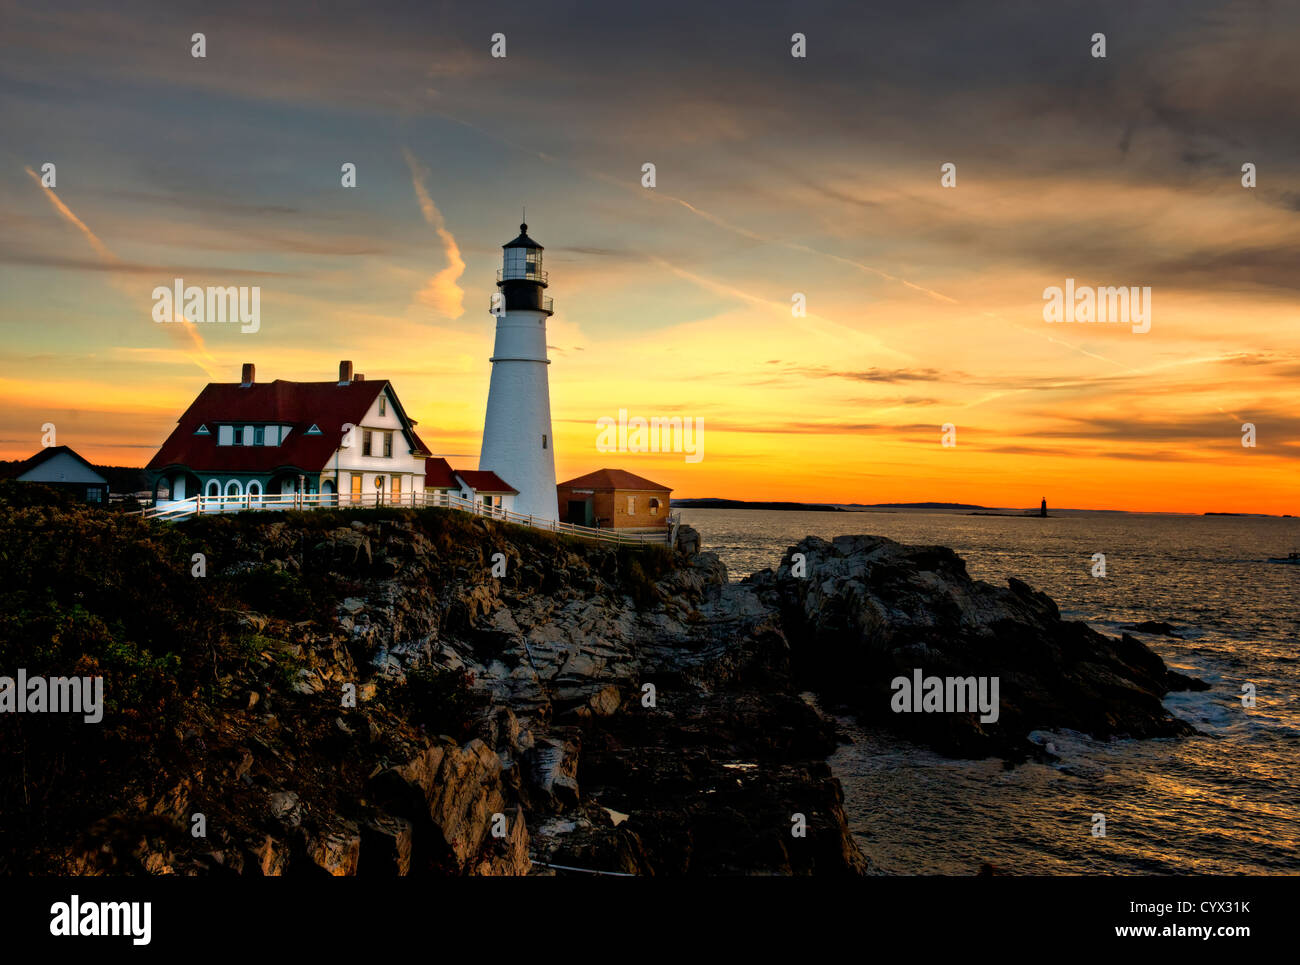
<point>206,505</point>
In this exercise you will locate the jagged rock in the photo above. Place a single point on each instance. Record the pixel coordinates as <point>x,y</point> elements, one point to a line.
<point>272,856</point>
<point>606,701</point>
<point>553,763</point>
<point>461,787</point>
<point>508,855</point>
<point>1155,627</point>
<point>286,807</point>
<point>870,610</point>
<point>335,852</point>
<point>688,540</point>
<point>386,846</point>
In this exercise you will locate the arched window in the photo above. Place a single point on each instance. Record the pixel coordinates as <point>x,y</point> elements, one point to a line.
<point>254,492</point>
<point>213,488</point>
<point>654,506</point>
<point>233,488</point>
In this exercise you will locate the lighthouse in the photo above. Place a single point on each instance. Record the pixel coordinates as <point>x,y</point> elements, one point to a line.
<point>517,442</point>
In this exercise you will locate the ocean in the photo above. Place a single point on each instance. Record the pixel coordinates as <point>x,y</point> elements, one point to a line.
<point>1225,802</point>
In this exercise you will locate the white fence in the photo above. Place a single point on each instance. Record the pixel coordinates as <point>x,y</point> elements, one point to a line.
<point>207,505</point>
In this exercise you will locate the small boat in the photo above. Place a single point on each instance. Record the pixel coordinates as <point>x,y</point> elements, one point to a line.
<point>1292,557</point>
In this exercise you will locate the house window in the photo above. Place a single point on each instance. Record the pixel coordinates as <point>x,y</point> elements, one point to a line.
<point>388,445</point>
<point>356,487</point>
<point>365,443</point>
<point>654,507</point>
<point>397,489</point>
<point>233,488</point>
<point>93,495</point>
<point>225,435</point>
<point>259,436</point>
<point>631,505</point>
<point>238,439</point>
<point>543,441</point>
<point>383,405</point>
<point>213,488</point>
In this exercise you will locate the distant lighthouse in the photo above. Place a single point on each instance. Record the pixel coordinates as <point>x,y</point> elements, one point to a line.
<point>517,442</point>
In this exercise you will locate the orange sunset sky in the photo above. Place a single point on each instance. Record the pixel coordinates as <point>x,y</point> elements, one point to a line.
<point>775,175</point>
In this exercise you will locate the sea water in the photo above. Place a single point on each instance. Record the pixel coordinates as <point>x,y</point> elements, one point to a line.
<point>1225,802</point>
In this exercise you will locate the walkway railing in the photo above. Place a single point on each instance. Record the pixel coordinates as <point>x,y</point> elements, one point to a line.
<point>207,505</point>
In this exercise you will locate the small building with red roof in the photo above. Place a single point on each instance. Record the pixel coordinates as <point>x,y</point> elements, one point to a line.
<point>439,476</point>
<point>614,498</point>
<point>474,485</point>
<point>249,440</point>
<point>486,488</point>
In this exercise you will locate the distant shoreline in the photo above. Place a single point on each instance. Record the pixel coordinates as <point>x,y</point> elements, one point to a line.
<point>972,509</point>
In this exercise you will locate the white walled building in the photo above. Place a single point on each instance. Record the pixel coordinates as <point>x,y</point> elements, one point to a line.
<point>247,441</point>
<point>486,488</point>
<point>62,468</point>
<point>518,445</point>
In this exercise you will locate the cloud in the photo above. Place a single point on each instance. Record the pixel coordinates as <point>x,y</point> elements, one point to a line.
<point>441,292</point>
<point>112,264</point>
<point>184,331</point>
<point>100,248</point>
<point>868,375</point>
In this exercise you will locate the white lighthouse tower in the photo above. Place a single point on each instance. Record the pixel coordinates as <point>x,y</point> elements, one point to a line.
<point>517,442</point>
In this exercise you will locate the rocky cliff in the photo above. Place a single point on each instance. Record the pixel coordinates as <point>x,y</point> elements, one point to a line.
<point>864,611</point>
<point>397,692</point>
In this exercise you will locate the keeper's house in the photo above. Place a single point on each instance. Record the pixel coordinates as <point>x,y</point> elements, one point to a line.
<point>614,499</point>
<point>61,468</point>
<point>247,441</point>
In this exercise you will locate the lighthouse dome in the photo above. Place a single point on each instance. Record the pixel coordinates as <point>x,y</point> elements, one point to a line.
<point>523,241</point>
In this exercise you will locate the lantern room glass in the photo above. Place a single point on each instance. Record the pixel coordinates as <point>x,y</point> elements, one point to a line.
<point>523,263</point>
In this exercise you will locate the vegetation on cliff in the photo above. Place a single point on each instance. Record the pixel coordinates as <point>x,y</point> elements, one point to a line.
<point>203,671</point>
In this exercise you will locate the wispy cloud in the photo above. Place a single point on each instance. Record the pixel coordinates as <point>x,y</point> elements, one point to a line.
<point>442,290</point>
<point>100,248</point>
<point>184,330</point>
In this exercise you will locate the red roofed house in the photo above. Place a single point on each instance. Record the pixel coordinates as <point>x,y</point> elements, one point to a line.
<point>486,488</point>
<point>478,486</point>
<point>245,441</point>
<point>439,477</point>
<point>614,498</point>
